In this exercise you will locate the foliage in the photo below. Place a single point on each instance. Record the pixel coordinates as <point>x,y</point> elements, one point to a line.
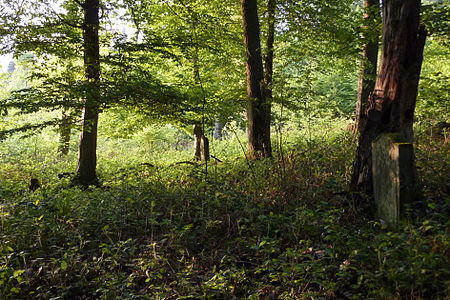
<point>163,227</point>
<point>434,93</point>
<point>435,18</point>
<point>279,228</point>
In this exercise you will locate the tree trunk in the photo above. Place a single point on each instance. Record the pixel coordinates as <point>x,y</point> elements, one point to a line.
<point>258,111</point>
<point>64,131</point>
<point>201,144</point>
<point>201,141</point>
<point>369,61</point>
<point>87,157</point>
<point>218,129</point>
<point>268,59</point>
<point>391,105</point>
<point>198,133</point>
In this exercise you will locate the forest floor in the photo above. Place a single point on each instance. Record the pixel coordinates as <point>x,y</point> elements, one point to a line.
<point>282,228</point>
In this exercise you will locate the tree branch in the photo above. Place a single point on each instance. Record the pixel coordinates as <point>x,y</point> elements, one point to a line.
<point>79,3</point>
<point>63,20</point>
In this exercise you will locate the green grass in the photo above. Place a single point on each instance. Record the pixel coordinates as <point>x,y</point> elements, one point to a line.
<point>273,229</point>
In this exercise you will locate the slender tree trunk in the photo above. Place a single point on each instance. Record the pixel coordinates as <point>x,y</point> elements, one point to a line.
<point>392,103</point>
<point>64,131</point>
<point>218,129</point>
<point>258,111</point>
<point>268,59</point>
<point>198,133</point>
<point>369,60</point>
<point>87,158</point>
<point>201,141</point>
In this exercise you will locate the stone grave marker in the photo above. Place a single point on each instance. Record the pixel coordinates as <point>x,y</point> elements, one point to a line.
<point>393,176</point>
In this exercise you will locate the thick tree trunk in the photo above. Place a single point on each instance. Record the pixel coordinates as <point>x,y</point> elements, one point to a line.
<point>369,61</point>
<point>64,131</point>
<point>87,157</point>
<point>392,103</point>
<point>258,111</point>
<point>201,145</point>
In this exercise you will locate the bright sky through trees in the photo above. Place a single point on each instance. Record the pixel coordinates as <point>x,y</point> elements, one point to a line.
<point>4,60</point>
<point>117,24</point>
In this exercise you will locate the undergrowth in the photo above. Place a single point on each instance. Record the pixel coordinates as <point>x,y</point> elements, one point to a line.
<point>275,229</point>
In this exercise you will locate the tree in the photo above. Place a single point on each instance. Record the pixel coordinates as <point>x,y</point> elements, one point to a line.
<point>87,156</point>
<point>60,26</point>
<point>54,32</point>
<point>269,56</point>
<point>369,60</point>
<point>11,67</point>
<point>201,152</point>
<point>193,45</point>
<point>64,131</point>
<point>258,111</point>
<point>391,105</point>
<point>313,45</point>
<point>433,103</point>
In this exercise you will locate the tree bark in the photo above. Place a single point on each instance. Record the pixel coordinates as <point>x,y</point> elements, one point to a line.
<point>201,144</point>
<point>201,141</point>
<point>369,61</point>
<point>87,158</point>
<point>258,111</point>
<point>198,133</point>
<point>392,103</point>
<point>64,131</point>
<point>218,129</point>
<point>268,59</point>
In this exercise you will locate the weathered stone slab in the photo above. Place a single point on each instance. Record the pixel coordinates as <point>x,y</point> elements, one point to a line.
<point>393,176</point>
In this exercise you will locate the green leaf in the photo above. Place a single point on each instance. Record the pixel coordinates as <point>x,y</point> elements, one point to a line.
<point>17,273</point>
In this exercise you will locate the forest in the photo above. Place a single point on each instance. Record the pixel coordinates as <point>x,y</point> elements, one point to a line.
<point>225,149</point>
